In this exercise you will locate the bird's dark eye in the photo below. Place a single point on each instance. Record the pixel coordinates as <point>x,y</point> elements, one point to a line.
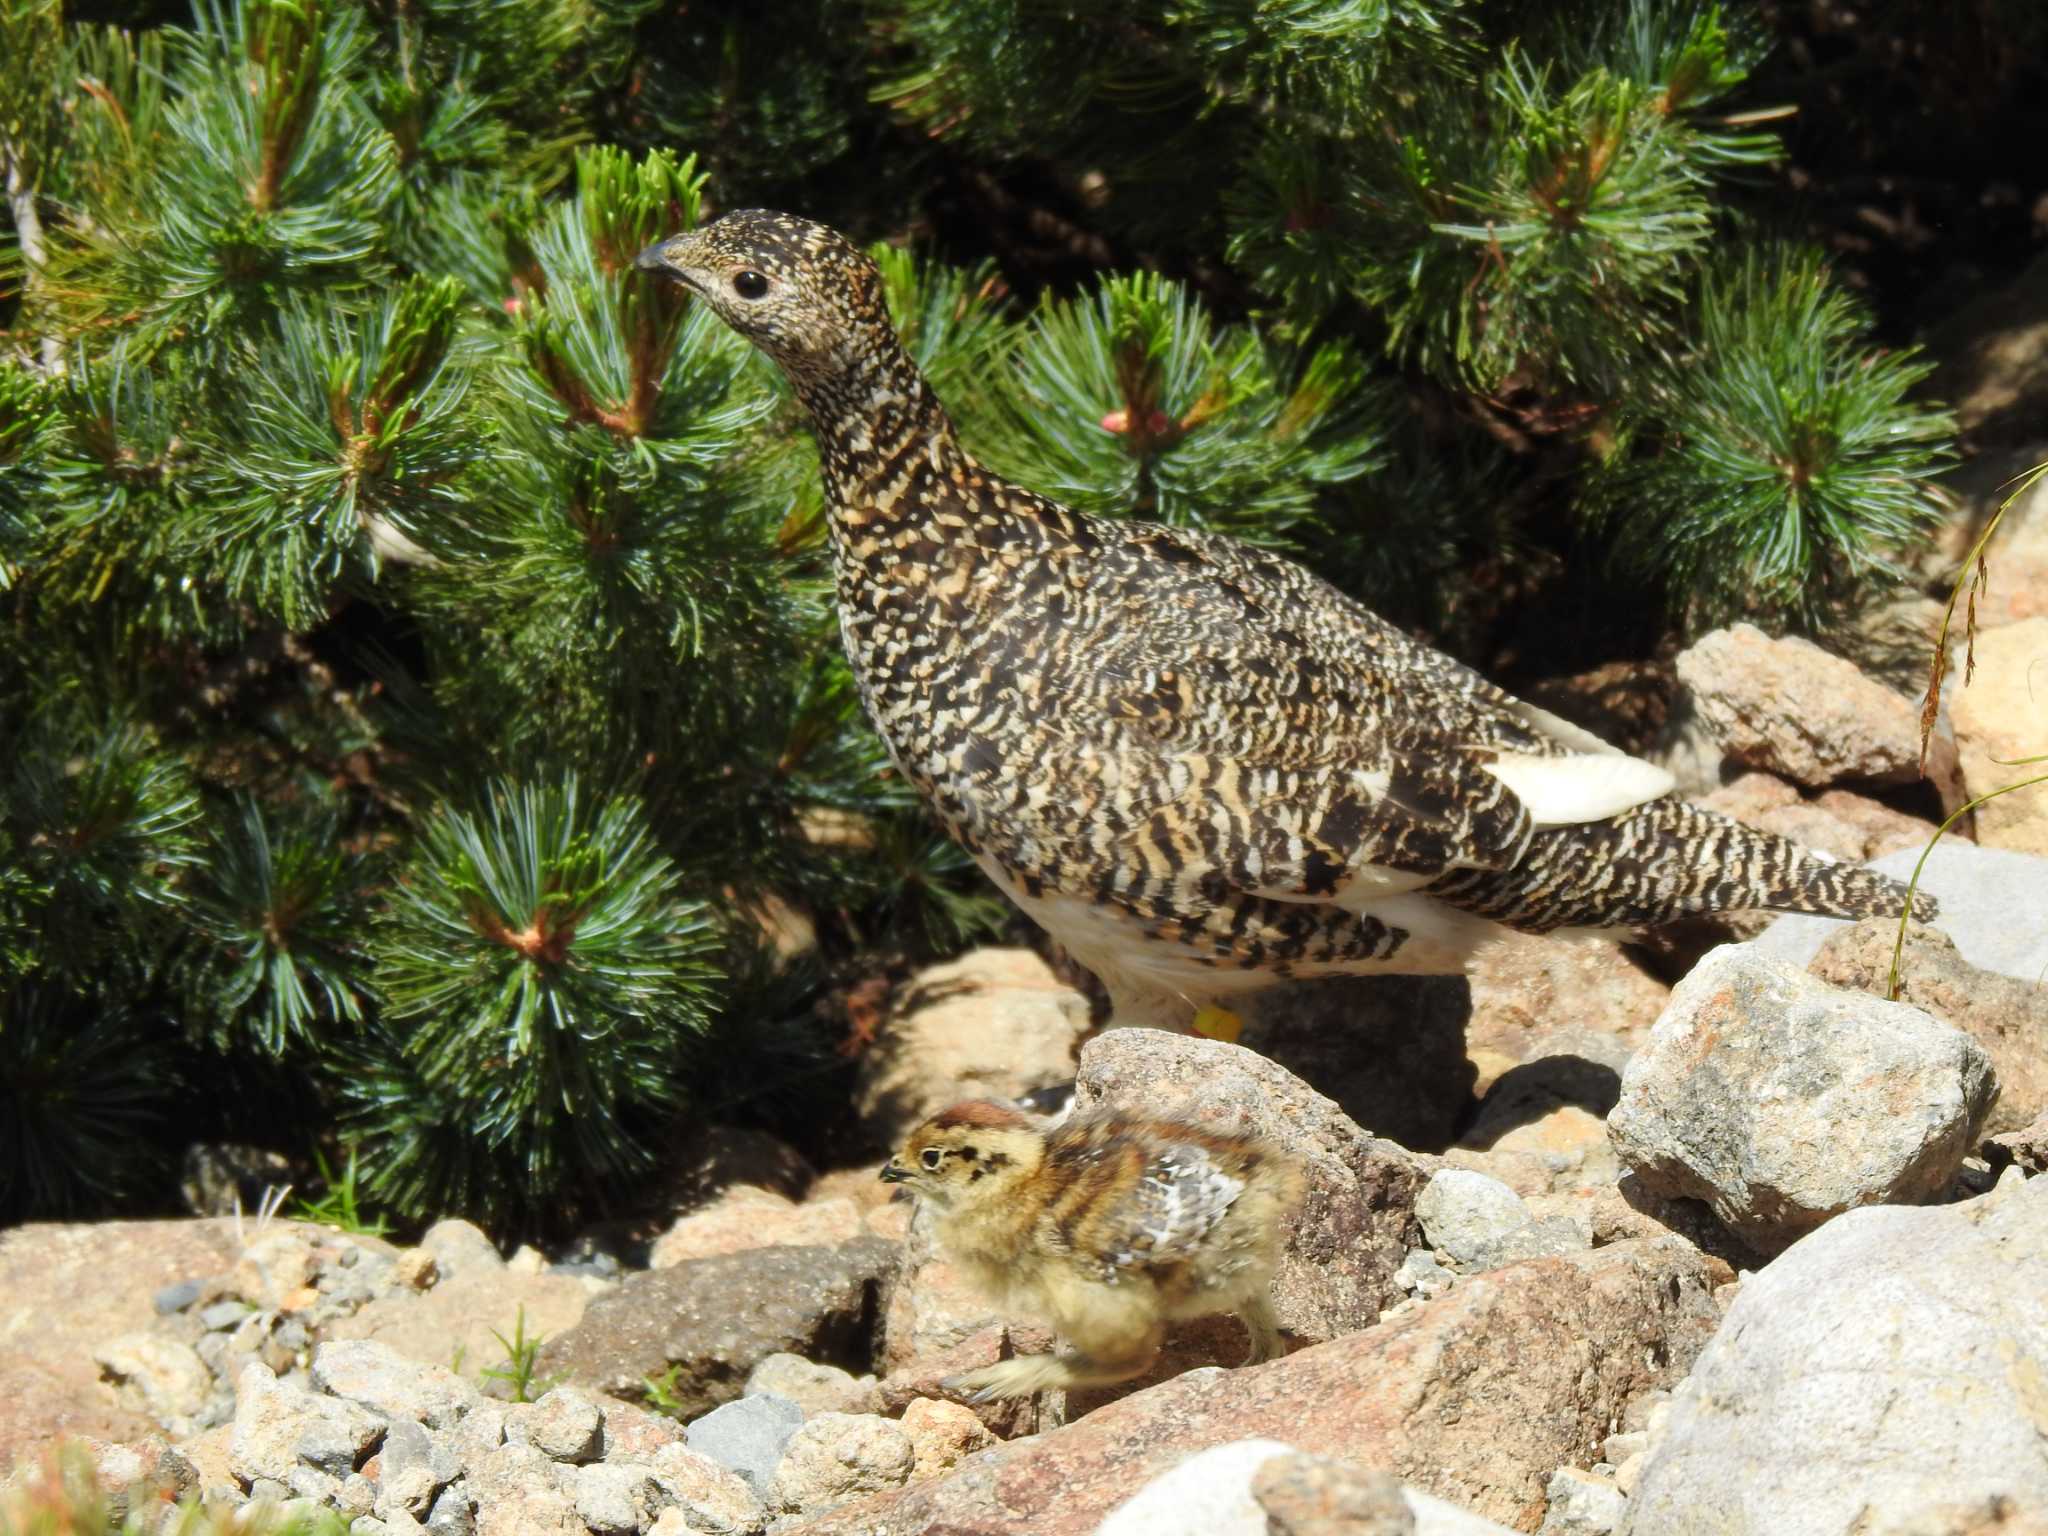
<point>932,1155</point>
<point>749,285</point>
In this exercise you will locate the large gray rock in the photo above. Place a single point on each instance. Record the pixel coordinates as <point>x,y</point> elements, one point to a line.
<point>748,1436</point>
<point>283,1432</point>
<point>1357,1220</point>
<point>1892,1365</point>
<point>2008,1017</point>
<point>1994,904</point>
<point>710,1321</point>
<point>1781,1101</point>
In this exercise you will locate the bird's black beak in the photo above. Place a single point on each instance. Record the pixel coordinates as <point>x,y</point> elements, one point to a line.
<point>656,259</point>
<point>894,1173</point>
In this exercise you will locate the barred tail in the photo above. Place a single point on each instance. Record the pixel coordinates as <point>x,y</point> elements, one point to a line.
<point>1667,859</point>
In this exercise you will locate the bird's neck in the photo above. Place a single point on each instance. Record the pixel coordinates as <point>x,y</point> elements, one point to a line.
<point>886,443</point>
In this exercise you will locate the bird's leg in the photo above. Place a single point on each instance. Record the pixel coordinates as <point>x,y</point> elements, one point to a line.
<point>1263,1326</point>
<point>1069,1368</point>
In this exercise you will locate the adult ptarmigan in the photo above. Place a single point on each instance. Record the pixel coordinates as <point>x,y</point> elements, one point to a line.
<point>1201,768</point>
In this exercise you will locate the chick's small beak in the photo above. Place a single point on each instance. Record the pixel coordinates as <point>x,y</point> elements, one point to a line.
<point>894,1172</point>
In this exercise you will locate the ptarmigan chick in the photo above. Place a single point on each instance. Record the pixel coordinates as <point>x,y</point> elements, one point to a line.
<point>1108,1226</point>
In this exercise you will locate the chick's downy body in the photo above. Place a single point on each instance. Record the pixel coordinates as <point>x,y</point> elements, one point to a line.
<point>1200,767</point>
<point>1107,1226</point>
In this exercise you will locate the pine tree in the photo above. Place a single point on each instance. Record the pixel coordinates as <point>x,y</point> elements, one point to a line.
<point>421,665</point>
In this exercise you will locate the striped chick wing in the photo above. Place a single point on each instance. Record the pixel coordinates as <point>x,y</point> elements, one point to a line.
<point>1164,1199</point>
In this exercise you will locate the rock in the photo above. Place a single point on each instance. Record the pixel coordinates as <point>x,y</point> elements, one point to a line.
<point>1893,1363</point>
<point>414,1467</point>
<point>1565,1148</point>
<point>520,1492</point>
<point>1581,1505</point>
<point>1790,708</point>
<point>755,1218</point>
<point>2008,1018</point>
<point>2018,555</point>
<point>747,1437</point>
<point>469,1312</point>
<point>1994,905</point>
<point>1210,1494</point>
<point>614,1501</point>
<point>710,1498</point>
<point>1389,1050</point>
<point>2001,715</point>
<point>1850,826</point>
<point>927,1375</point>
<point>70,1287</point>
<point>633,1433</point>
<point>1423,1275</point>
<point>2026,1149</point>
<point>161,1377</point>
<point>1524,984</point>
<point>1462,1213</point>
<point>1356,1222</point>
<point>454,1512</point>
<point>704,1325</point>
<point>1781,1101</point>
<point>837,1457</point>
<point>384,1381</point>
<point>812,1387</point>
<point>458,1246</point>
<point>934,1307</point>
<point>176,1298</point>
<point>562,1424</point>
<point>280,1429</point>
<point>712,1161</point>
<point>1477,1398</point>
<point>996,1023</point>
<point>1299,1495</point>
<point>941,1435</point>
<point>1993,359</point>
<point>418,1268</point>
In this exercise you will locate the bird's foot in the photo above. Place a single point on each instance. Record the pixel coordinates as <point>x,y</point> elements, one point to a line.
<point>1009,1378</point>
<point>1213,1023</point>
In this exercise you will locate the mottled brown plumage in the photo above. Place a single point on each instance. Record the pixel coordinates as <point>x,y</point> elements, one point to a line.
<point>1107,1225</point>
<point>1200,767</point>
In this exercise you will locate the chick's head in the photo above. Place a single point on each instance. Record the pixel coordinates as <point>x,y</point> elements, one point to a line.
<point>969,1153</point>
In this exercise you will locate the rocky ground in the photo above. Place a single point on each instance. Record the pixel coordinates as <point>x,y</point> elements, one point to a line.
<point>1582,1250</point>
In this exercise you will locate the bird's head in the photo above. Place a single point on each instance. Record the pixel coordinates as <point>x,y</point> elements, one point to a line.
<point>805,294</point>
<point>971,1152</point>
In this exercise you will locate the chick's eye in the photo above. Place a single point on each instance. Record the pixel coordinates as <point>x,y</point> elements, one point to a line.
<point>931,1157</point>
<point>749,285</point>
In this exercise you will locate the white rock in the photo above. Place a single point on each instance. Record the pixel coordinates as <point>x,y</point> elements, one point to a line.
<point>615,1501</point>
<point>838,1457</point>
<point>384,1381</point>
<point>460,1246</point>
<point>707,1496</point>
<point>1209,1494</point>
<point>1581,1505</point>
<point>562,1423</point>
<point>273,1419</point>
<point>166,1377</point>
<point>1782,1101</point>
<point>1894,1363</point>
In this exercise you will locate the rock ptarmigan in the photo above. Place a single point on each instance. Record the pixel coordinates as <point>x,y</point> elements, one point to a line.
<point>1201,768</point>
